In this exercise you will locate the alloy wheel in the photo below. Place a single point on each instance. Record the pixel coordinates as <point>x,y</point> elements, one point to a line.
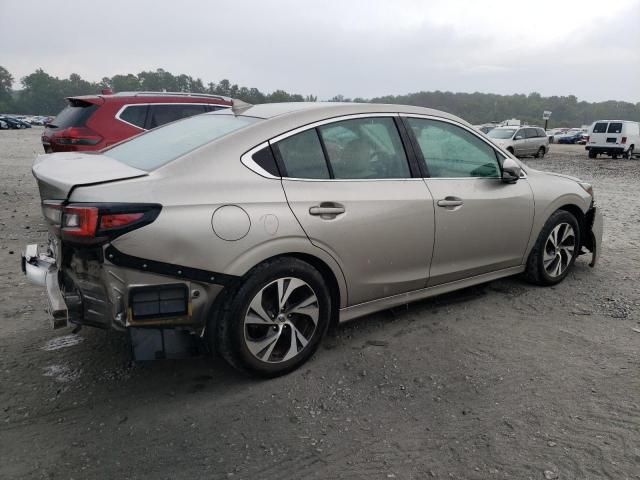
<point>559,250</point>
<point>281,320</point>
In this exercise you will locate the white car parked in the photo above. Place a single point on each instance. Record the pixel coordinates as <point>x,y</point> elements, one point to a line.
<point>613,138</point>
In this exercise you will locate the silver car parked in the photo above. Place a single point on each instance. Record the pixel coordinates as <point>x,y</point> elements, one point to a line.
<point>521,141</point>
<point>259,226</point>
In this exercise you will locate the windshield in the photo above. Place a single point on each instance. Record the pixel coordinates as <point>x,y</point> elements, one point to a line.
<point>161,145</point>
<point>502,133</point>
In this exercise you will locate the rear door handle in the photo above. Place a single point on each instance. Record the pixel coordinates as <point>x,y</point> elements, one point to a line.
<point>450,202</point>
<point>326,210</point>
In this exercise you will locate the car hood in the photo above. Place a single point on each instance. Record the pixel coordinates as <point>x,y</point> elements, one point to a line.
<point>542,172</point>
<point>59,173</point>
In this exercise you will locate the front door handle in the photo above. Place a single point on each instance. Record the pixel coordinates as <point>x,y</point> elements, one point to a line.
<point>330,209</point>
<point>450,202</point>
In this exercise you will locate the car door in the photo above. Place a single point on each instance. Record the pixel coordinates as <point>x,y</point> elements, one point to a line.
<point>350,185</point>
<point>482,224</point>
<point>520,143</point>
<point>532,142</point>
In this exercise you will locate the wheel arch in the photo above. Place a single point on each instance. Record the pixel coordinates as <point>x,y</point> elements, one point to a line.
<point>580,216</point>
<point>336,285</point>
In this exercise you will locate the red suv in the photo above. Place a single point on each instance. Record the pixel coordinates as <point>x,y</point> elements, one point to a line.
<point>93,122</point>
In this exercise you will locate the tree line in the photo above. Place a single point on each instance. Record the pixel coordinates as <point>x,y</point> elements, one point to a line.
<point>43,94</point>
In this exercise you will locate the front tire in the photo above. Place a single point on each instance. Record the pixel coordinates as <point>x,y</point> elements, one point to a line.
<point>555,250</point>
<point>275,321</point>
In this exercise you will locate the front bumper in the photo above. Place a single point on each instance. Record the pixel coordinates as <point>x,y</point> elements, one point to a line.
<point>595,222</point>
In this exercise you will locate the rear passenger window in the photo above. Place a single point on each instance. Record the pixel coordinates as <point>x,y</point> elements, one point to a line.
<point>302,156</point>
<point>453,152</point>
<point>161,114</point>
<point>135,115</point>
<point>365,148</point>
<point>531,132</point>
<point>615,127</point>
<point>541,132</point>
<point>600,127</point>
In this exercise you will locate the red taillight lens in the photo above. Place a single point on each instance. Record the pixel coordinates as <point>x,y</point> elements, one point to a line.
<point>115,220</point>
<point>77,136</point>
<point>97,223</point>
<point>624,140</point>
<point>79,222</point>
<point>587,138</point>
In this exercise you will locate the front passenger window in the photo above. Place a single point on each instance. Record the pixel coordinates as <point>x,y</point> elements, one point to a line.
<point>453,152</point>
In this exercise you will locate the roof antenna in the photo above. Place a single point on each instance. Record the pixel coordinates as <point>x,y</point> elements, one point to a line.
<point>239,106</point>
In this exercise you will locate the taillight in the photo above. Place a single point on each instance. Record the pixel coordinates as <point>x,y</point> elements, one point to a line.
<point>114,220</point>
<point>77,136</point>
<point>98,223</point>
<point>624,140</point>
<point>79,223</point>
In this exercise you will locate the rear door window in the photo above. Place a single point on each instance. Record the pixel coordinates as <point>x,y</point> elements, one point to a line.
<point>365,148</point>
<point>162,114</point>
<point>615,127</point>
<point>302,156</point>
<point>600,127</point>
<point>135,115</point>
<point>531,132</point>
<point>541,132</point>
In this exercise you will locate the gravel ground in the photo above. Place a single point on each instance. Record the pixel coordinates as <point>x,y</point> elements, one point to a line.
<point>504,380</point>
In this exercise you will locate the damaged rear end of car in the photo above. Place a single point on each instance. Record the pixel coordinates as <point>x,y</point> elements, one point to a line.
<point>88,280</point>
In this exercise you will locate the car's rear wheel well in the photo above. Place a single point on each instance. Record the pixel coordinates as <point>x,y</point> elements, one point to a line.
<point>329,277</point>
<point>322,267</point>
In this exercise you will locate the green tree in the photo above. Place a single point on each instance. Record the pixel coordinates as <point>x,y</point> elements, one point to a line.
<point>6,86</point>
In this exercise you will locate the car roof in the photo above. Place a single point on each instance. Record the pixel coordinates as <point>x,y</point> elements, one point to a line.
<point>141,97</point>
<point>296,114</point>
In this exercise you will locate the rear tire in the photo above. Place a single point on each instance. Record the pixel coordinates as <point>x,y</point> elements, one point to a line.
<point>555,250</point>
<point>592,154</point>
<point>629,153</point>
<point>274,321</point>
<point>540,153</point>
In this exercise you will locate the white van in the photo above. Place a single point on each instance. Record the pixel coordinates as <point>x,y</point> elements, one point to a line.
<point>613,138</point>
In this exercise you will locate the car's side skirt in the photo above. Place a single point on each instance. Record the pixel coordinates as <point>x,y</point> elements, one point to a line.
<point>367,308</point>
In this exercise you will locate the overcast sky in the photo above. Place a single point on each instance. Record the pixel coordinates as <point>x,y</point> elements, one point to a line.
<point>590,49</point>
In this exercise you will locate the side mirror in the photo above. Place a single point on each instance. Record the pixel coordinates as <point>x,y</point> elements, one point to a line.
<point>511,170</point>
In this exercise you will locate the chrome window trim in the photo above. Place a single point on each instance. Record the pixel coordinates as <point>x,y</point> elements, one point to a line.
<point>470,130</point>
<point>319,123</point>
<point>247,160</point>
<point>340,118</point>
<point>119,112</point>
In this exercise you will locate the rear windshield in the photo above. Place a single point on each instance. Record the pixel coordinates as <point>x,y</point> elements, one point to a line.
<point>600,127</point>
<point>75,115</point>
<point>501,133</point>
<point>159,146</point>
<point>615,127</point>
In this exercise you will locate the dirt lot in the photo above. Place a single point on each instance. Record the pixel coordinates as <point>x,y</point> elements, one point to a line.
<point>505,380</point>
